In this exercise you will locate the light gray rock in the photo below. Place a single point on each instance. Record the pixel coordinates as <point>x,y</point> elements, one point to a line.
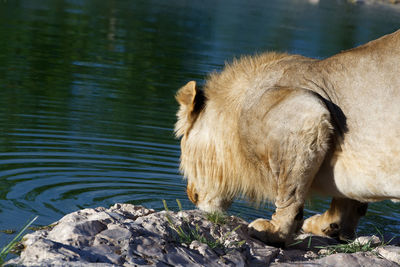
<point>128,235</point>
<point>372,240</point>
<point>391,253</point>
<point>355,259</point>
<point>342,260</point>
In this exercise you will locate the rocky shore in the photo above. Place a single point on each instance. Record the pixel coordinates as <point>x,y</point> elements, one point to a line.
<point>128,235</point>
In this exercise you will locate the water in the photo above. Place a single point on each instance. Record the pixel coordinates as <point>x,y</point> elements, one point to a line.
<point>87,93</point>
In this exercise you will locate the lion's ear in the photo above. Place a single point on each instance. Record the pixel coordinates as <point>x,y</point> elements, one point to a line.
<point>187,94</point>
<point>191,100</point>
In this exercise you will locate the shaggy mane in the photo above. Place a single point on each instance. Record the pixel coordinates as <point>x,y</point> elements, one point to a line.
<point>223,85</point>
<point>214,158</point>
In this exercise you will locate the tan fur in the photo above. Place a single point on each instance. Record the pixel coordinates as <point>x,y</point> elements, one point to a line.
<point>275,127</point>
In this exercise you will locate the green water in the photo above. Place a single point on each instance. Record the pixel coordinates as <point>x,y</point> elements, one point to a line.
<point>87,93</point>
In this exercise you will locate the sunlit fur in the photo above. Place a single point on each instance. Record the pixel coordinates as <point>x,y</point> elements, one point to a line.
<point>212,155</point>
<point>275,127</point>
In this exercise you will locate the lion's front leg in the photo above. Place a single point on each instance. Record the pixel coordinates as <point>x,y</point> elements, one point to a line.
<point>278,231</point>
<point>294,175</point>
<point>339,221</point>
<point>289,141</point>
<point>293,187</point>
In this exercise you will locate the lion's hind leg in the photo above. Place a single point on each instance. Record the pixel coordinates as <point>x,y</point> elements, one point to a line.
<point>339,221</point>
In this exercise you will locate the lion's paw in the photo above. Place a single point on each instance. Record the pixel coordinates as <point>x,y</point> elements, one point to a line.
<point>265,231</point>
<point>319,225</point>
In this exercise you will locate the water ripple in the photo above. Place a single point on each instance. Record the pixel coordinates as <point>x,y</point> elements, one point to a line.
<point>54,172</point>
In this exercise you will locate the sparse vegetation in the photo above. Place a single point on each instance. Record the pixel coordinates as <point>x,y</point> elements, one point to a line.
<point>42,227</point>
<point>216,217</point>
<point>365,244</point>
<point>301,241</point>
<point>188,233</point>
<point>350,247</point>
<point>353,246</point>
<point>8,231</point>
<point>14,242</point>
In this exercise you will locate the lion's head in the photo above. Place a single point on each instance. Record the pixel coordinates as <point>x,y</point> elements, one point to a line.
<point>200,158</point>
<point>212,157</point>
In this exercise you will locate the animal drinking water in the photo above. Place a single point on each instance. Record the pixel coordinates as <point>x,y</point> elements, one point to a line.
<point>277,127</point>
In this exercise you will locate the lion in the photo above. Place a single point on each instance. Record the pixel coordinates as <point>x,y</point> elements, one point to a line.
<point>278,127</point>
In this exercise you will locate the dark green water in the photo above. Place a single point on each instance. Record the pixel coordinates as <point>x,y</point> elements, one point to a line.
<point>87,93</point>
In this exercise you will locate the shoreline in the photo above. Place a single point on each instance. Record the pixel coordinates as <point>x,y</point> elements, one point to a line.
<point>130,235</point>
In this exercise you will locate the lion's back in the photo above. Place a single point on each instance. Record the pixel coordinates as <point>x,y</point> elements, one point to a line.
<point>366,164</point>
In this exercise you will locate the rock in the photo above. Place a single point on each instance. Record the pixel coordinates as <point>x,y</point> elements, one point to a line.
<point>373,240</point>
<point>391,253</point>
<point>343,260</point>
<point>129,235</point>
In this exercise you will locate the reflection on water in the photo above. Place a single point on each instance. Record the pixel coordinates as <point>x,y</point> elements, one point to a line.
<point>87,92</point>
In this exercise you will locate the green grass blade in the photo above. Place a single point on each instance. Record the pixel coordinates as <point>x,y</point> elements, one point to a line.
<point>296,243</point>
<point>4,252</point>
<point>169,219</point>
<point>165,204</point>
<point>179,204</point>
